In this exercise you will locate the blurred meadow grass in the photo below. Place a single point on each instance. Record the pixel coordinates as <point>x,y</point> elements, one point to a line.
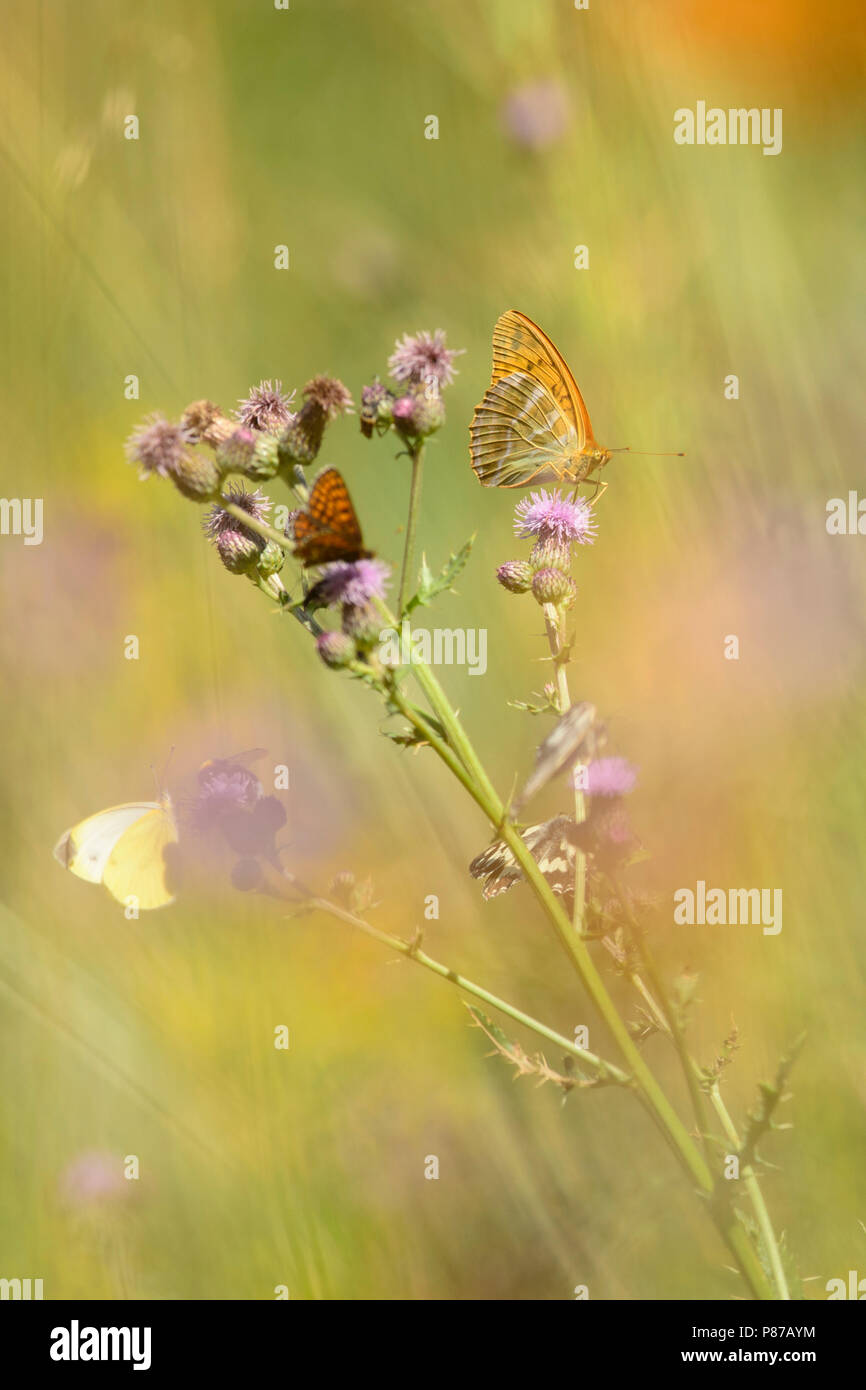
<point>155,257</point>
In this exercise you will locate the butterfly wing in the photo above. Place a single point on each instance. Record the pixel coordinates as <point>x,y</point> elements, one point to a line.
<point>84,849</point>
<point>550,846</point>
<point>328,528</point>
<point>137,866</point>
<point>123,848</point>
<point>532,419</point>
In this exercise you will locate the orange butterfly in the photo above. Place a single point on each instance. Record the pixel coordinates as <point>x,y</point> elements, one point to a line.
<point>532,425</point>
<point>328,528</point>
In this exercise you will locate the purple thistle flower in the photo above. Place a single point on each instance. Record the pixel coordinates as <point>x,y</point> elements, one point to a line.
<point>92,1178</point>
<point>551,516</point>
<point>535,115</point>
<point>225,788</point>
<point>610,777</point>
<point>218,521</point>
<point>158,446</point>
<point>354,582</point>
<point>266,408</point>
<point>423,357</point>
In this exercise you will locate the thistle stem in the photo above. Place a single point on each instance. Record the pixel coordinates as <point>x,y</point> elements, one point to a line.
<point>412,951</point>
<point>416,454</point>
<point>554,621</point>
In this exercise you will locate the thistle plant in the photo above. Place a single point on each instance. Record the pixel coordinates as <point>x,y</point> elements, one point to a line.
<point>577,865</point>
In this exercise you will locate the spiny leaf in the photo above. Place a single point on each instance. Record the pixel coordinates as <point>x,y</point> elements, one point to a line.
<point>430,584</point>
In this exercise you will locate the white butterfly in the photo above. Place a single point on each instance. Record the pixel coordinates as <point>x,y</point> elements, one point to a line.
<point>123,848</point>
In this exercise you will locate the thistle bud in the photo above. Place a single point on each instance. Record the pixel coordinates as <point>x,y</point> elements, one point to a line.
<point>549,553</point>
<point>515,576</point>
<point>234,454</point>
<point>552,586</point>
<point>362,624</point>
<point>376,413</point>
<point>325,399</point>
<point>197,477</point>
<point>271,559</point>
<point>247,875</point>
<point>419,413</point>
<point>335,649</point>
<point>238,550</point>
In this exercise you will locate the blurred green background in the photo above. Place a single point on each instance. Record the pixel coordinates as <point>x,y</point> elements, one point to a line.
<point>155,257</point>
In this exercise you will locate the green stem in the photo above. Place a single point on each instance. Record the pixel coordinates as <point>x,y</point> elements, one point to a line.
<point>554,622</point>
<point>756,1197</point>
<point>416,454</point>
<point>666,1016</point>
<point>411,951</point>
<point>478,784</point>
<point>657,1103</point>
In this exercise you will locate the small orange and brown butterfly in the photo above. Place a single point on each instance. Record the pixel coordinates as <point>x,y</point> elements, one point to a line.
<point>327,528</point>
<point>532,424</point>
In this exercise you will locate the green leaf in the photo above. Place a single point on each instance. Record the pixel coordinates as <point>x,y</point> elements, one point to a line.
<point>430,584</point>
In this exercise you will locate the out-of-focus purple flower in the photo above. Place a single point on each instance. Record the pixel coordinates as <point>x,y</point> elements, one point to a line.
<point>609,777</point>
<point>535,114</point>
<point>218,521</point>
<point>424,358</point>
<point>354,582</point>
<point>266,408</point>
<point>551,516</point>
<point>225,790</point>
<point>158,446</point>
<point>376,412</point>
<point>335,649</point>
<point>239,546</point>
<point>92,1178</point>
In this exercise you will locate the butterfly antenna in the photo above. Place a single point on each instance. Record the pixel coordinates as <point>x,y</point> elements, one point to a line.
<point>643,453</point>
<point>160,781</point>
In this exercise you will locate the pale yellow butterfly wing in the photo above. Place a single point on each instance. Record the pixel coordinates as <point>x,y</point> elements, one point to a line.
<point>532,421</point>
<point>124,849</point>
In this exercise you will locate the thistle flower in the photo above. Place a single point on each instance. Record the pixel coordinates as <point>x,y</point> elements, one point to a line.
<point>354,582</point>
<point>515,576</point>
<point>535,115</point>
<point>550,516</point>
<point>424,358</point>
<point>93,1177</point>
<point>324,399</point>
<point>610,777</point>
<point>419,413</point>
<point>224,789</point>
<point>376,408</point>
<point>266,408</point>
<point>238,546</point>
<point>206,424</point>
<point>158,446</point>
